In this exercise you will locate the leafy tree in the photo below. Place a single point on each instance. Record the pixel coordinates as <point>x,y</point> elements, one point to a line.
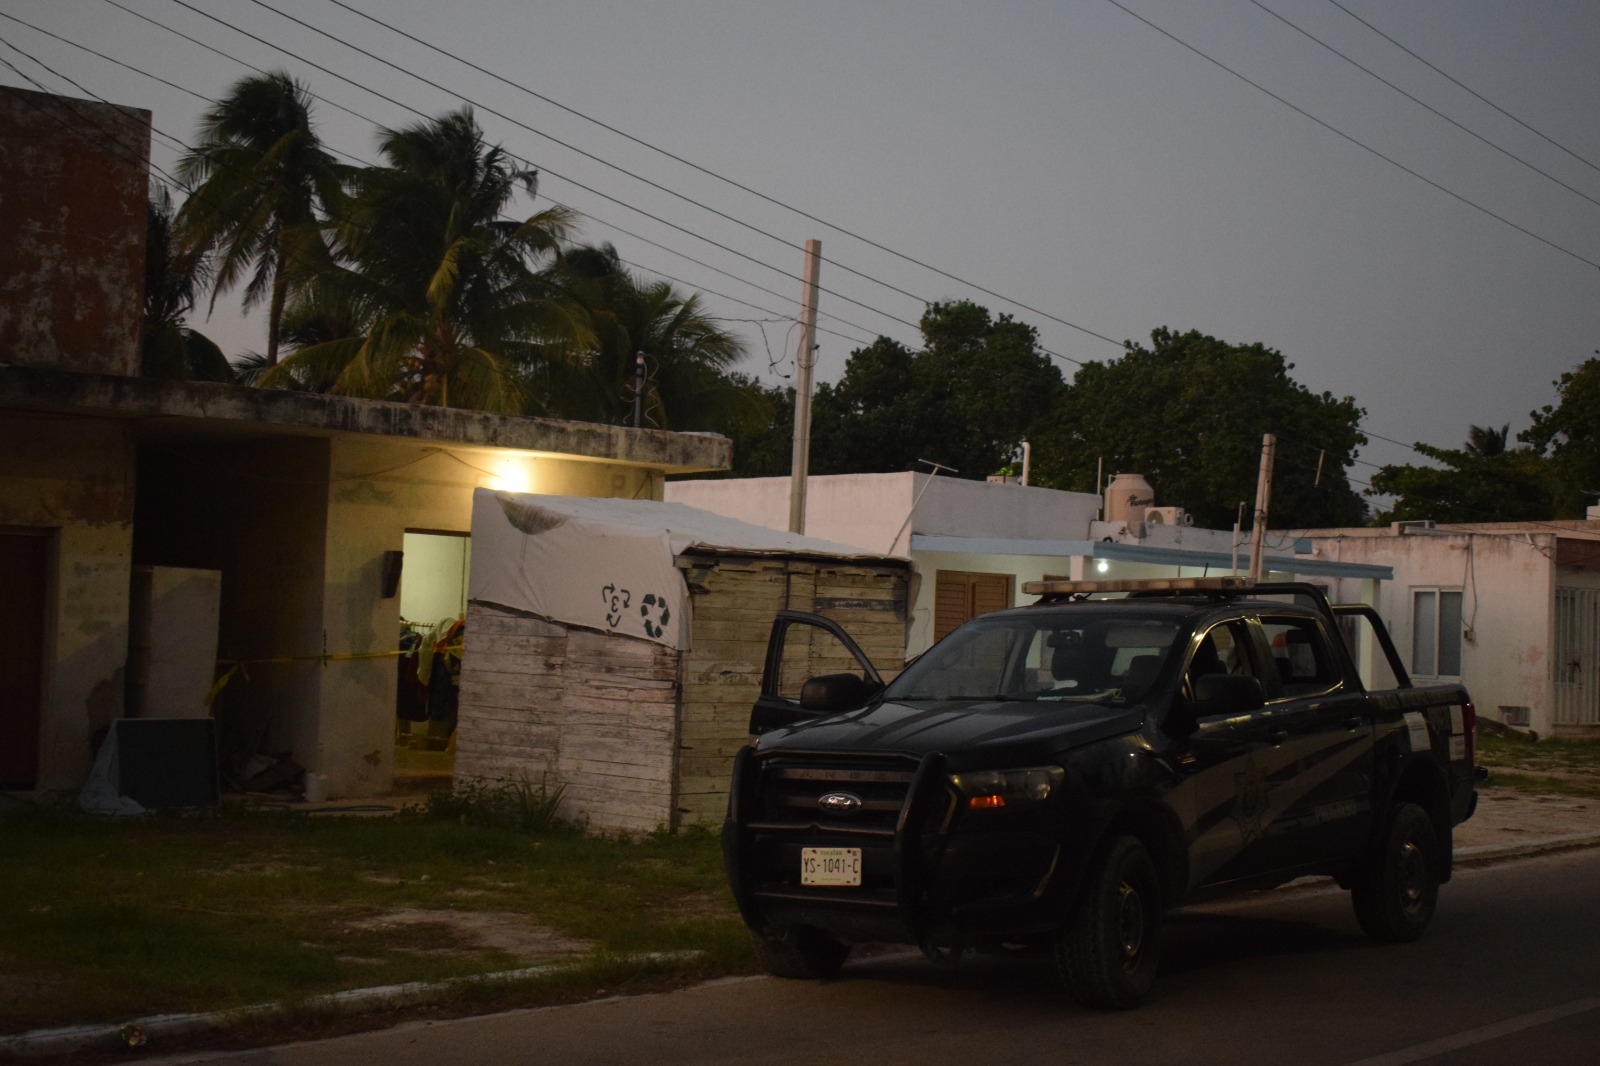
<point>1483,481</point>
<point>435,298</point>
<point>169,349</point>
<point>687,353</point>
<point>259,176</point>
<point>979,386</point>
<point>1568,433</point>
<point>1189,412</point>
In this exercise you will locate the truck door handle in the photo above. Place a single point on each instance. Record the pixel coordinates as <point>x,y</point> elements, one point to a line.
<point>1355,721</point>
<point>1278,736</point>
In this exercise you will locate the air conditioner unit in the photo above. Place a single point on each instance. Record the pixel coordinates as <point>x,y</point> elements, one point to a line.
<point>1168,516</point>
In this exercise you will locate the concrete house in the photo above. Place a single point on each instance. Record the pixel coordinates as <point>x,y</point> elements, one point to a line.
<point>1510,609</point>
<point>299,505</point>
<point>972,543</point>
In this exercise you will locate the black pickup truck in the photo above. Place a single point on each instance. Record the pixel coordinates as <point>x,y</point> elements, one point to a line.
<point>1057,776</point>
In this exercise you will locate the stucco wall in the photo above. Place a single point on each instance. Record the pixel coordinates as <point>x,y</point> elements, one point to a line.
<point>377,491</point>
<point>73,182</point>
<point>76,480</point>
<point>1507,583</point>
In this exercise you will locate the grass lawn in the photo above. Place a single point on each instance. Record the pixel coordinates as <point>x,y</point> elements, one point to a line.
<point>1548,767</point>
<point>102,921</point>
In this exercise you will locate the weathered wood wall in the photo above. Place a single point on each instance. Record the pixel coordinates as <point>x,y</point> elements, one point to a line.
<point>734,599</point>
<point>642,737</point>
<point>593,713</point>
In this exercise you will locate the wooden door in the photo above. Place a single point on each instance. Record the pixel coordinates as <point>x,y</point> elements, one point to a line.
<point>959,595</point>
<point>24,583</point>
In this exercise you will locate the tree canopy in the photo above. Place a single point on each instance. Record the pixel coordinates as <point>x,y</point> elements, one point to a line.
<point>1188,412</point>
<point>977,388</point>
<point>1567,433</point>
<point>1482,481</point>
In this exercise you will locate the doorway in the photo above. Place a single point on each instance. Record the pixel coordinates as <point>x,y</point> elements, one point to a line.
<point>24,574</point>
<point>433,611</point>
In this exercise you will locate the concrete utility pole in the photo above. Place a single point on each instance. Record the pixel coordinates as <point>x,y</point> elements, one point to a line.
<point>805,362</point>
<point>1258,529</point>
<point>638,389</point>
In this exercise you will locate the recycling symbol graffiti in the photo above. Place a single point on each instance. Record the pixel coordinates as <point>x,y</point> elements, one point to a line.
<point>655,627</point>
<point>616,601</point>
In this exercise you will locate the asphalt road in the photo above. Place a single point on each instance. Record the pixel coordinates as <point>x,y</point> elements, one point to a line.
<point>1508,973</point>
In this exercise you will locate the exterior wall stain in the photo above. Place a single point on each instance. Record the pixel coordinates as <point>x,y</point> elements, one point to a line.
<point>73,177</point>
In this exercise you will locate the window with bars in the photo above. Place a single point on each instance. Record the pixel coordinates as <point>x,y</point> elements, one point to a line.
<point>1436,632</point>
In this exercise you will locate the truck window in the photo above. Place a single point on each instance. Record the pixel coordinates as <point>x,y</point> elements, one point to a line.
<point>1300,656</point>
<point>1223,650</point>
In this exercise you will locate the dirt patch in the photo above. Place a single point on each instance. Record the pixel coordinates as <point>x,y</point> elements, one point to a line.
<point>1505,816</point>
<point>503,931</point>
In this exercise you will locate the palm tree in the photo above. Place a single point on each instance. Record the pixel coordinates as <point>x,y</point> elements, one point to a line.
<point>686,352</point>
<point>435,298</point>
<point>259,177</point>
<point>169,349</point>
<point>1486,442</point>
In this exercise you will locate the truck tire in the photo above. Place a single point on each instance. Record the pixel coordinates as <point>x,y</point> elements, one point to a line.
<point>1110,945</point>
<point>802,952</point>
<point>1395,896</point>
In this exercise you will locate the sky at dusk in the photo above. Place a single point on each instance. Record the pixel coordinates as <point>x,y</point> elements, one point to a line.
<point>1100,167</point>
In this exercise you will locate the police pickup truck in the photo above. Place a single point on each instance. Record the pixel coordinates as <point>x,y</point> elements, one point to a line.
<point>1057,776</point>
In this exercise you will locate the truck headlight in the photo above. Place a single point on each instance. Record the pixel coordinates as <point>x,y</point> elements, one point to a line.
<point>987,790</point>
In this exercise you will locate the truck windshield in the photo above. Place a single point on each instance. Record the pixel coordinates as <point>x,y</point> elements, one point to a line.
<point>1102,659</point>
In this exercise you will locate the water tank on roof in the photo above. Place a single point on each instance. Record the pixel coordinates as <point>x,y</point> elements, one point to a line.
<point>1128,496</point>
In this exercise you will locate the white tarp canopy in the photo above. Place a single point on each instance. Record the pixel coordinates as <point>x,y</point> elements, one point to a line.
<point>608,564</point>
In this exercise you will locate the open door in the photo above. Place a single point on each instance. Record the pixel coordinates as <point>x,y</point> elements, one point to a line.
<point>1371,648</point>
<point>813,669</point>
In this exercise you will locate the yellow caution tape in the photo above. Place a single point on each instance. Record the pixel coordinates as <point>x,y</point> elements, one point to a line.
<point>237,666</point>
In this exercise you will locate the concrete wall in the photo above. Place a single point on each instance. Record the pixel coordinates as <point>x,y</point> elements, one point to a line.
<point>75,480</point>
<point>1508,584</point>
<point>868,511</point>
<point>73,185</point>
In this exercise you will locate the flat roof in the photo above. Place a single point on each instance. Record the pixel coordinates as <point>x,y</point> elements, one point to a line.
<point>1142,553</point>
<point>212,408</point>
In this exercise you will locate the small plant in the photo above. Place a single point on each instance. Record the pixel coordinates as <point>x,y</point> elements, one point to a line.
<point>500,802</point>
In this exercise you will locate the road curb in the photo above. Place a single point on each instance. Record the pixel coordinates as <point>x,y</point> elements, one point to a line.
<point>136,1033</point>
<point>1483,854</point>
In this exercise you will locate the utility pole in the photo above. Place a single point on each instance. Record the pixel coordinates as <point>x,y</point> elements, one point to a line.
<point>1258,529</point>
<point>638,389</point>
<point>805,363</point>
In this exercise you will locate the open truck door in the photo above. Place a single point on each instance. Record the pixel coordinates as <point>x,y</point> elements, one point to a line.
<point>813,669</point>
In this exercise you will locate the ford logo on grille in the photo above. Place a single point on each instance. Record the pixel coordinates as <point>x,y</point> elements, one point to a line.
<point>839,802</point>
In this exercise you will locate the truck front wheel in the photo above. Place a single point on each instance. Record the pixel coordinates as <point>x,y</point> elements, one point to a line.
<point>1108,949</point>
<point>802,952</point>
<point>1395,896</point>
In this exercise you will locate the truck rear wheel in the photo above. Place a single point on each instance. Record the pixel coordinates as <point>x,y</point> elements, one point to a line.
<point>1108,949</point>
<point>802,952</point>
<point>1395,896</point>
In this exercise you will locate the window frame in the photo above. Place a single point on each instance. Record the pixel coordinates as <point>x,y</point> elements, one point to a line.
<point>1438,592</point>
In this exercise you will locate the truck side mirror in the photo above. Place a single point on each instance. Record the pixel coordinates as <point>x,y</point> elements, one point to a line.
<point>834,692</point>
<point>1215,694</point>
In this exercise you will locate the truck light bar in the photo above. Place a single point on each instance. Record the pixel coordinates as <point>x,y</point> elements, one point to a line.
<point>1154,584</point>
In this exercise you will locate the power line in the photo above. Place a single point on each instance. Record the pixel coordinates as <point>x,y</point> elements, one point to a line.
<point>637,177</point>
<point>1428,107</point>
<point>1359,144</point>
<point>730,181</point>
<point>547,170</point>
<point>1464,88</point>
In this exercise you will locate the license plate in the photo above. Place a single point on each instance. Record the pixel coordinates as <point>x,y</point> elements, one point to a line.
<point>830,866</point>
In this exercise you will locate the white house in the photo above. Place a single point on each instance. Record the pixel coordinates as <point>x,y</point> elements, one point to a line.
<point>972,544</point>
<point>1510,609</point>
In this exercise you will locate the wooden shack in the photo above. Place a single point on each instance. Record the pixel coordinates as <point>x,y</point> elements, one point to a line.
<point>635,716</point>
